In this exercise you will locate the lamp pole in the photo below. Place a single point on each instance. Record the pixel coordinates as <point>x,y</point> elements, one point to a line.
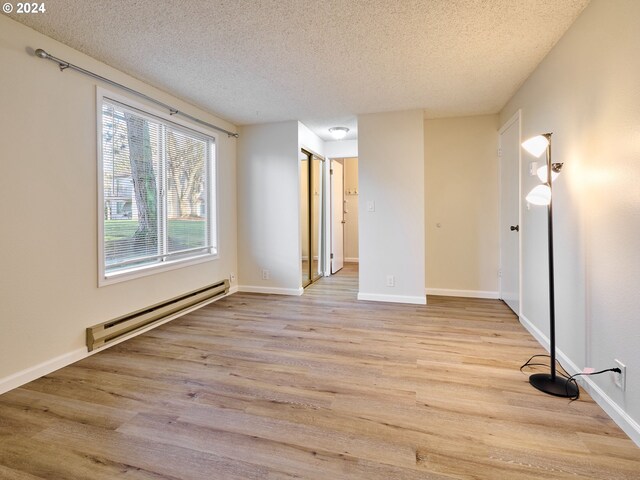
<point>552,295</point>
<point>551,383</point>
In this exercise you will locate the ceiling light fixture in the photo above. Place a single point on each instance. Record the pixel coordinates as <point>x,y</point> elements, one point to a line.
<point>338,132</point>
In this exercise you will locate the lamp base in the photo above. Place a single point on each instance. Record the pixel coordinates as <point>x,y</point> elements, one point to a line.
<point>558,386</point>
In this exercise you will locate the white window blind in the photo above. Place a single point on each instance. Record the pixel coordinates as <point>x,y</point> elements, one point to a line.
<point>157,190</point>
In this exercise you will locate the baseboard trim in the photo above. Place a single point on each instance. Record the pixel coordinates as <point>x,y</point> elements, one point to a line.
<point>351,259</point>
<point>376,297</point>
<point>270,290</point>
<point>611,408</point>
<point>30,374</point>
<point>445,292</point>
<point>232,290</point>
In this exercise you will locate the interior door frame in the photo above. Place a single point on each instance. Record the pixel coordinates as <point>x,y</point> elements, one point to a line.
<point>308,181</point>
<point>517,117</point>
<point>332,205</point>
<point>323,228</point>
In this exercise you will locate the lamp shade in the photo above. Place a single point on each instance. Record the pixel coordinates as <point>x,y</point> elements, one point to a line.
<point>536,146</point>
<point>540,195</point>
<point>542,174</point>
<point>338,132</point>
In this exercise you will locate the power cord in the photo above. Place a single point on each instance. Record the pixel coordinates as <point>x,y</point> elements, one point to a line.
<point>565,374</point>
<point>572,378</point>
<point>528,363</point>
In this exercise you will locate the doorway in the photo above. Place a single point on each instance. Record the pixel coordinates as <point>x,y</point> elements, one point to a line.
<point>344,213</point>
<point>312,225</point>
<point>510,243</point>
<point>337,216</point>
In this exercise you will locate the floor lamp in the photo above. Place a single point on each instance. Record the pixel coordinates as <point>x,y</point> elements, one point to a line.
<point>549,383</point>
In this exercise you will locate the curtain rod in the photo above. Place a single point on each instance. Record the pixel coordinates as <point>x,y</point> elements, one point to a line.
<point>172,111</point>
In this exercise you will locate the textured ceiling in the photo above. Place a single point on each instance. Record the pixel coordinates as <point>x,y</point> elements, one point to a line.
<point>320,62</point>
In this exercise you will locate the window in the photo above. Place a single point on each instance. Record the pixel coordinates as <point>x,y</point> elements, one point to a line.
<point>157,191</point>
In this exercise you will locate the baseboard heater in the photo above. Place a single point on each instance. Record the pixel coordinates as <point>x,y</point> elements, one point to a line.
<point>104,333</point>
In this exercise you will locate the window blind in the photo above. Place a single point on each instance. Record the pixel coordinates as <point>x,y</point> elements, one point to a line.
<point>157,190</point>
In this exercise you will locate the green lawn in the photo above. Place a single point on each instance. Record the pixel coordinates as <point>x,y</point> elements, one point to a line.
<point>187,233</point>
<point>119,229</point>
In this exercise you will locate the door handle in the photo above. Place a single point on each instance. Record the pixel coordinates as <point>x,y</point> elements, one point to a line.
<point>515,228</point>
<point>343,221</point>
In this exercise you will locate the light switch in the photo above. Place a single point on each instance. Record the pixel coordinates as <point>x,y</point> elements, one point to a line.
<point>533,169</point>
<point>371,206</point>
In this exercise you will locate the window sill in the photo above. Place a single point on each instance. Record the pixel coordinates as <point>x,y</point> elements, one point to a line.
<point>144,271</point>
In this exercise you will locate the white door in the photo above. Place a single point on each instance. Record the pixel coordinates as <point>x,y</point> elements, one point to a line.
<point>337,216</point>
<point>509,154</point>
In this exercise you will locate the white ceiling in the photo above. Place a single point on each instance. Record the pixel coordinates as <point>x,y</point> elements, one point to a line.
<point>320,62</point>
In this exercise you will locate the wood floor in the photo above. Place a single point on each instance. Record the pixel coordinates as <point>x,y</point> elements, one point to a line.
<point>315,387</point>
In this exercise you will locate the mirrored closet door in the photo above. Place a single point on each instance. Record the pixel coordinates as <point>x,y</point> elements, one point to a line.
<point>311,216</point>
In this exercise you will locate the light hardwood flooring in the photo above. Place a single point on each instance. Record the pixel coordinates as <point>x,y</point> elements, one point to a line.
<point>315,387</point>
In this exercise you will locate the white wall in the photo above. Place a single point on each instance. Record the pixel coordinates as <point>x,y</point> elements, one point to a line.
<point>391,174</point>
<point>309,140</point>
<point>48,192</point>
<point>269,235</point>
<point>341,148</point>
<point>269,208</point>
<point>461,193</point>
<point>586,91</point>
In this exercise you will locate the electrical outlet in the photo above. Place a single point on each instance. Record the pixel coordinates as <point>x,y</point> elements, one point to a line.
<point>265,274</point>
<point>620,379</point>
<point>232,277</point>
<point>391,281</point>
